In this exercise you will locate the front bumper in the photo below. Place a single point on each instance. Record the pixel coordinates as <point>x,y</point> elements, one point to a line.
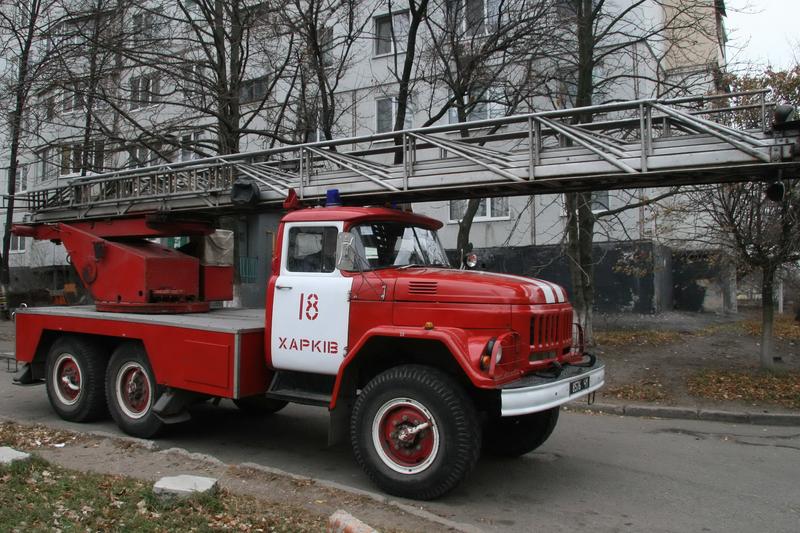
<point>532,394</point>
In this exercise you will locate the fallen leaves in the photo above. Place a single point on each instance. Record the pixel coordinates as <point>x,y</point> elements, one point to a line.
<point>31,437</point>
<point>649,390</point>
<point>784,328</point>
<point>56,499</point>
<point>749,386</point>
<point>631,337</point>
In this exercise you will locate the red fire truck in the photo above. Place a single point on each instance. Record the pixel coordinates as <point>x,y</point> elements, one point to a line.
<point>423,364</point>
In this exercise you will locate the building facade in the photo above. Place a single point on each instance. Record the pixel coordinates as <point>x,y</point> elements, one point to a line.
<point>133,84</point>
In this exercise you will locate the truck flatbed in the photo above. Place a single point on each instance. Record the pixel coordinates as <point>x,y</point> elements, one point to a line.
<point>218,353</point>
<point>229,320</point>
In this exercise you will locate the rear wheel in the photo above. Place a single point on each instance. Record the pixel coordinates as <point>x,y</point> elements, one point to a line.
<point>415,432</point>
<point>131,391</point>
<point>260,405</point>
<point>74,379</point>
<point>517,435</point>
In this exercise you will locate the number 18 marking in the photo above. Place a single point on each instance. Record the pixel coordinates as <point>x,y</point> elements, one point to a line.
<point>311,309</point>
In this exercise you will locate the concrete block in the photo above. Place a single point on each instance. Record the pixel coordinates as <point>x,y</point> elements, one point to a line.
<point>183,486</point>
<point>344,522</point>
<point>10,455</point>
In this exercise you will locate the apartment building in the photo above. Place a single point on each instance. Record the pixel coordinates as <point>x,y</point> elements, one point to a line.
<point>135,87</point>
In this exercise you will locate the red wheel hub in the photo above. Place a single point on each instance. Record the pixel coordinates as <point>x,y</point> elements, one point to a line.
<point>135,389</point>
<point>406,435</point>
<point>69,378</point>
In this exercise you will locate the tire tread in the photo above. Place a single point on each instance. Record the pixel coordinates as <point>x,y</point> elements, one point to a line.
<point>461,411</point>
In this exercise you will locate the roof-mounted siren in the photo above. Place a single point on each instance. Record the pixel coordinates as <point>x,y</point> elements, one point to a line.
<point>333,198</point>
<point>245,192</point>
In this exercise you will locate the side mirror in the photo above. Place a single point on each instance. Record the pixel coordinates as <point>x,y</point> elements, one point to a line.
<point>346,251</point>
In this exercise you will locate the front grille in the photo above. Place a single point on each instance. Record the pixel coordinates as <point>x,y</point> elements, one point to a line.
<point>551,329</point>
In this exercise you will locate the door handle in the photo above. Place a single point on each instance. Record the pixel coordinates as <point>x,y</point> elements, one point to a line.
<point>283,287</point>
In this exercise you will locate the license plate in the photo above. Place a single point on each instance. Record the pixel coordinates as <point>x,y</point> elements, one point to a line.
<point>578,385</point>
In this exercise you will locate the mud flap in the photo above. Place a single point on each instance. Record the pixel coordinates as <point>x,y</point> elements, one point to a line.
<point>339,424</point>
<point>170,407</point>
<point>24,376</point>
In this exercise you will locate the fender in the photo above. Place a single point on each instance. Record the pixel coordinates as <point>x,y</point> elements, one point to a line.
<point>456,340</point>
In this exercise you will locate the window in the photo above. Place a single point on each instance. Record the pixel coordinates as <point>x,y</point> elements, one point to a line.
<point>386,113</point>
<point>72,100</point>
<point>567,9</point>
<point>144,91</point>
<point>482,104</point>
<point>21,181</point>
<point>489,208</point>
<point>142,156</point>
<point>50,107</point>
<point>143,26</point>
<point>392,244</point>
<point>97,157</point>
<point>189,144</point>
<point>312,249</point>
<point>253,90</point>
<point>72,159</point>
<point>391,33</point>
<point>192,80</point>
<point>46,168</point>
<point>473,17</point>
<point>17,244</point>
<point>599,201</point>
<point>68,157</point>
<point>326,45</point>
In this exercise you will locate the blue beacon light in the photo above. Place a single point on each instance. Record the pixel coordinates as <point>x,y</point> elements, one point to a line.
<point>332,198</point>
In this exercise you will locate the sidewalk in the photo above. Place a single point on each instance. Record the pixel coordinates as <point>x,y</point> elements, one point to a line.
<point>697,366</point>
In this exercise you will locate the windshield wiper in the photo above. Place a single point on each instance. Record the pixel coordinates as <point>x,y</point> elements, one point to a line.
<point>411,265</point>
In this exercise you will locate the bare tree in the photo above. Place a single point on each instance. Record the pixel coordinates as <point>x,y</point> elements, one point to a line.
<point>485,58</point>
<point>328,32</point>
<point>763,234</point>
<point>607,49</point>
<point>22,27</point>
<point>759,233</point>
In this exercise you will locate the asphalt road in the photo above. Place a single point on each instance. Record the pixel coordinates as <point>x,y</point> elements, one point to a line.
<point>598,473</point>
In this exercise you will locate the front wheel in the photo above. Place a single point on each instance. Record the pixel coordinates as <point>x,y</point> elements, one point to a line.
<point>517,435</point>
<point>415,432</point>
<point>131,391</point>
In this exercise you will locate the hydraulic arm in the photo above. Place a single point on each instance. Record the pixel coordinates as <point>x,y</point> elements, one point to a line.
<point>125,270</point>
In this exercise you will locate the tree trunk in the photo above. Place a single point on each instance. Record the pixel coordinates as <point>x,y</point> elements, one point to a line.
<point>580,231</point>
<point>20,100</point>
<point>464,226</point>
<point>767,316</point>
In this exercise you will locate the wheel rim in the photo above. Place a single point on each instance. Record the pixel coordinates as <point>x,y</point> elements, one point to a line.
<point>405,436</point>
<point>67,379</point>
<point>133,391</point>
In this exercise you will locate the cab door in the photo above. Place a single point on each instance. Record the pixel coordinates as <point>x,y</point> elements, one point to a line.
<point>311,308</point>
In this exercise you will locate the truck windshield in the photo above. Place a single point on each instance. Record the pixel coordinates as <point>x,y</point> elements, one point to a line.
<point>392,244</point>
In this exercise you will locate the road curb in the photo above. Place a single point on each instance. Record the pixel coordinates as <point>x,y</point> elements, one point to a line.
<point>419,512</point>
<point>690,413</point>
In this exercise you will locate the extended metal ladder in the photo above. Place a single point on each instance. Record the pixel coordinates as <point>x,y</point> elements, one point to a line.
<point>643,143</point>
